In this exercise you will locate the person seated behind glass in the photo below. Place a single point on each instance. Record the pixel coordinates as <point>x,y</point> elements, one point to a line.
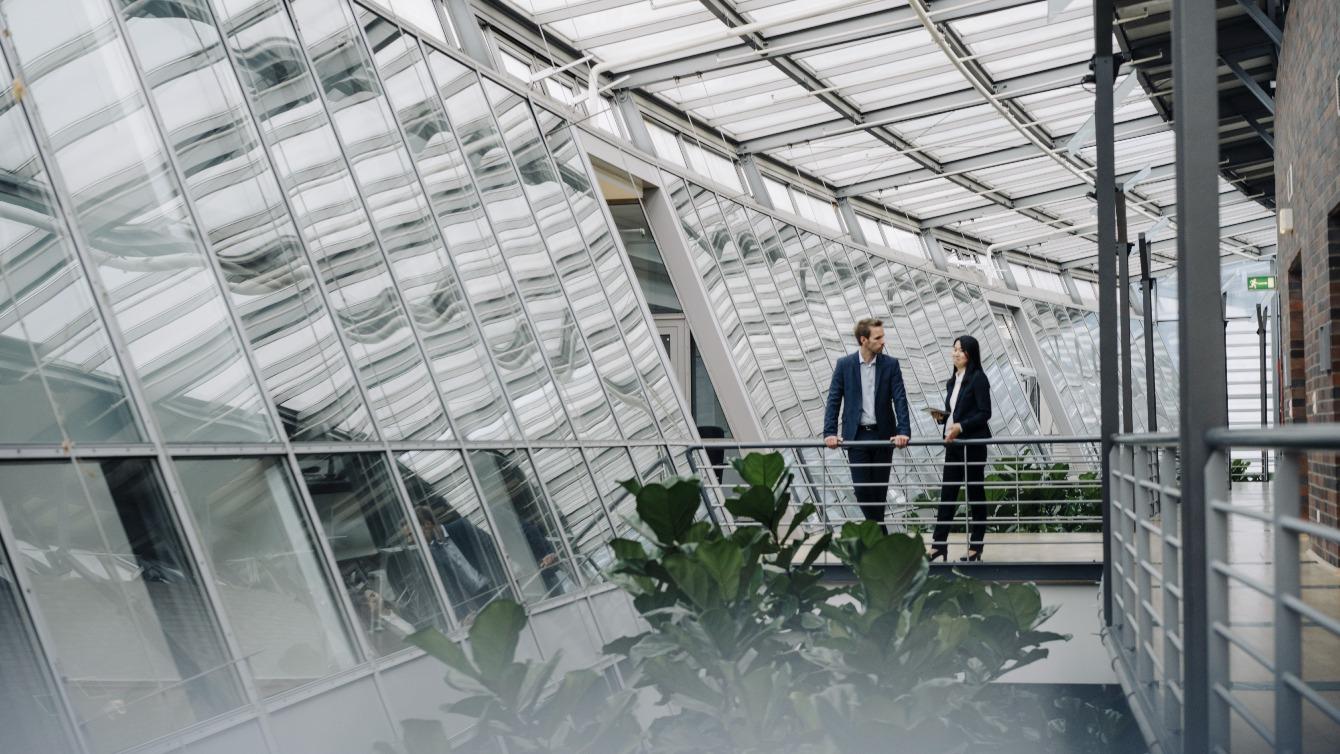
<point>466,559</point>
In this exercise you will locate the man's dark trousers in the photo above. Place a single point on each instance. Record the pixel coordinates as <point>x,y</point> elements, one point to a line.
<point>870,474</point>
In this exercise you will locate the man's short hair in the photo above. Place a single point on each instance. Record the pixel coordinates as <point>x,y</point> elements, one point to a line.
<point>863,328</point>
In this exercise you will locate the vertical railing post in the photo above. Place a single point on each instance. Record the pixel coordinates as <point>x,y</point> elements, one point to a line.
<point>1122,616</point>
<point>1144,588</point>
<point>1202,376</point>
<point>1218,676</point>
<point>1105,188</point>
<point>1124,311</point>
<point>1147,296</point>
<point>1170,521</point>
<point>1287,502</point>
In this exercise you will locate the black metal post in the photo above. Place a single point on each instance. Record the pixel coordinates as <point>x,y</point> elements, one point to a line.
<point>1105,188</point>
<point>1124,307</point>
<point>1262,313</point>
<point>1202,373</point>
<point>1147,292</point>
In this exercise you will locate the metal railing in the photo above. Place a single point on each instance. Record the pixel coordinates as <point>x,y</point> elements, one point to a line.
<point>1043,494</point>
<point>1259,620</point>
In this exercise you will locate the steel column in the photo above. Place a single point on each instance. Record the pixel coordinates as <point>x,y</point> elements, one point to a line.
<point>1105,186</point>
<point>1124,307</point>
<point>467,28</point>
<point>933,248</point>
<point>1202,389</point>
<point>1288,503</point>
<point>1262,314</point>
<point>1147,294</point>
<point>632,118</point>
<point>853,226</point>
<point>753,177</point>
<point>1072,290</point>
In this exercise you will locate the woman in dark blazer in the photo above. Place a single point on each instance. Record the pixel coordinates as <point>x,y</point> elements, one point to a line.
<point>966,416</point>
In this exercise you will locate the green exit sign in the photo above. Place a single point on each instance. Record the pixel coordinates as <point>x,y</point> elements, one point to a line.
<point>1261,283</point>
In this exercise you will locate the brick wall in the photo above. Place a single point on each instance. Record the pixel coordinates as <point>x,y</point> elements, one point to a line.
<point>1307,180</point>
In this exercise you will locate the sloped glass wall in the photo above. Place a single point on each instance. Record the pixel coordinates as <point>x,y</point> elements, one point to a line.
<point>345,328</point>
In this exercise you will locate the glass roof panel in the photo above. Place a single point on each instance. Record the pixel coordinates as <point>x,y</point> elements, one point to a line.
<point>758,99</point>
<point>648,45</point>
<point>638,15</point>
<point>792,8</point>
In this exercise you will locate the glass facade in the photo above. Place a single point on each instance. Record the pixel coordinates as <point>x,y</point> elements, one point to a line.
<point>787,300</point>
<point>320,337</point>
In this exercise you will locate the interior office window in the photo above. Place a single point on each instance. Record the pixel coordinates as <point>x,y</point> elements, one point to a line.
<point>694,152</point>
<point>607,119</point>
<point>530,537</point>
<point>1048,280</point>
<point>902,240</point>
<point>420,13</point>
<point>381,566</point>
<point>460,540</point>
<point>513,65</point>
<point>1022,275</point>
<point>29,707</point>
<point>777,193</point>
<point>267,568</point>
<point>666,143</point>
<point>870,229</point>
<point>722,170</point>
<point>140,653</point>
<point>648,264</point>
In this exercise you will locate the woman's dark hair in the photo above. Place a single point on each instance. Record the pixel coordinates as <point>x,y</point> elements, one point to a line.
<point>969,345</point>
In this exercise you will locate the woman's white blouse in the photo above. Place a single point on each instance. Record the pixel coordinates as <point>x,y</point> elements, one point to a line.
<point>953,397</point>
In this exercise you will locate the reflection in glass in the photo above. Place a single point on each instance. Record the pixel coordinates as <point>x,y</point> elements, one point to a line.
<point>241,210</point>
<point>382,569</point>
<point>546,218</point>
<point>573,496</point>
<point>126,202</point>
<point>619,287</point>
<point>29,707</point>
<point>458,535</point>
<point>267,570</point>
<point>611,467</point>
<point>330,215</point>
<point>108,569</point>
<point>51,338</point>
<point>529,536</point>
<point>426,273</point>
<point>515,336</point>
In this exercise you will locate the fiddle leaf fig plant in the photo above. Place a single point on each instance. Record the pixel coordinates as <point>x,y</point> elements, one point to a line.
<point>748,649</point>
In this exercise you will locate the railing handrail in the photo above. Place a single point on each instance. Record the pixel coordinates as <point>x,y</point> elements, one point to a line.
<point>1324,436</point>
<point>802,444</point>
<point>1165,439</point>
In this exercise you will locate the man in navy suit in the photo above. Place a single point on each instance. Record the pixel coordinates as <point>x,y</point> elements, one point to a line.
<point>868,387</point>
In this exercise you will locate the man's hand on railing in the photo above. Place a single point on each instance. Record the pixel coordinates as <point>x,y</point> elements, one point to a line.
<point>832,441</point>
<point>900,441</point>
<point>954,431</point>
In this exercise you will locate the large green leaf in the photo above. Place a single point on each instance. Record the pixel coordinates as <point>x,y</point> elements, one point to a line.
<point>761,469</point>
<point>723,560</point>
<point>890,569</point>
<point>627,549</point>
<point>493,637</point>
<point>437,645</point>
<point>669,510</point>
<point>1020,602</point>
<point>692,578</point>
<point>570,694</point>
<point>754,504</point>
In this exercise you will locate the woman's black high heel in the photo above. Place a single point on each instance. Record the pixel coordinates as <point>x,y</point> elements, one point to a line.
<point>973,556</point>
<point>938,552</point>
